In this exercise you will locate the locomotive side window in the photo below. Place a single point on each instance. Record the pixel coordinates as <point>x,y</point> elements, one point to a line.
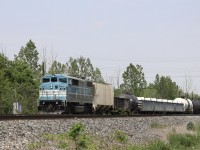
<point>81,83</point>
<point>89,84</point>
<point>53,79</point>
<point>64,80</point>
<point>74,82</point>
<point>44,80</point>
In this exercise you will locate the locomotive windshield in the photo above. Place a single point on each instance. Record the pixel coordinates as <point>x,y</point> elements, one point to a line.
<point>64,80</point>
<point>44,80</point>
<point>53,79</point>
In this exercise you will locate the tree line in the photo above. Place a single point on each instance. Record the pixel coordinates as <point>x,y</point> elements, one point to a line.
<point>20,79</point>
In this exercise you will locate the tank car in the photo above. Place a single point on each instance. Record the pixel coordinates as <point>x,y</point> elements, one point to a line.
<point>196,106</point>
<point>126,103</point>
<point>153,105</point>
<point>178,105</point>
<point>187,104</point>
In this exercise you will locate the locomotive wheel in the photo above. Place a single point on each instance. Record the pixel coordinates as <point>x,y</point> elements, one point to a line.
<point>88,109</point>
<point>50,108</point>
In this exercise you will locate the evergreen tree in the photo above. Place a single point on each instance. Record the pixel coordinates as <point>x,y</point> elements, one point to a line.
<point>29,54</point>
<point>25,86</point>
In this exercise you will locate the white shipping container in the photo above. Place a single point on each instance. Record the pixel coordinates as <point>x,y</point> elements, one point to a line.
<point>103,95</point>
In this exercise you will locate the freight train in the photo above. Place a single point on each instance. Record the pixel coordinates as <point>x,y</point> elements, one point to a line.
<point>59,93</point>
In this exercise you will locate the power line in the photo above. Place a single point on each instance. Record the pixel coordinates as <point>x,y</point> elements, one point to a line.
<point>149,60</point>
<point>198,76</point>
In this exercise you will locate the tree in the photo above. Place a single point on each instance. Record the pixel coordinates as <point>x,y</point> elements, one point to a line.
<point>25,86</point>
<point>83,68</point>
<point>96,76</point>
<point>29,54</point>
<point>117,91</point>
<point>6,98</point>
<point>150,91</point>
<point>57,68</point>
<point>133,80</point>
<point>165,87</point>
<point>17,84</point>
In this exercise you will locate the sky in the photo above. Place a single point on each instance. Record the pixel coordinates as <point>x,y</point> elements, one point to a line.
<point>163,36</point>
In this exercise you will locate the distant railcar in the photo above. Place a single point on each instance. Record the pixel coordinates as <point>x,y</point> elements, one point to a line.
<point>161,107</point>
<point>196,106</point>
<point>126,103</point>
<point>187,104</point>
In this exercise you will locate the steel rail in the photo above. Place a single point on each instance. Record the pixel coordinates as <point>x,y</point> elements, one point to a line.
<point>64,116</point>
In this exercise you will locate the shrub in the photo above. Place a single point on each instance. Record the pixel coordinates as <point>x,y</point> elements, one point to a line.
<point>76,130</point>
<point>121,136</point>
<point>190,126</point>
<point>80,138</point>
<point>158,145</point>
<point>179,141</point>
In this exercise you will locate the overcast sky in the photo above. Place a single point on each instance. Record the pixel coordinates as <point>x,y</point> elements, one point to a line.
<point>163,36</point>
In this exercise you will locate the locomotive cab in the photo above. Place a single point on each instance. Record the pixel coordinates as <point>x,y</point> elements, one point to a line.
<point>52,93</point>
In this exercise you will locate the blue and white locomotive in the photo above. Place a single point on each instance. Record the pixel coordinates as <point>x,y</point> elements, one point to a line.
<point>60,93</point>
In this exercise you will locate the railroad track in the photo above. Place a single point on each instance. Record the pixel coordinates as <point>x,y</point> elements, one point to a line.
<point>55,116</point>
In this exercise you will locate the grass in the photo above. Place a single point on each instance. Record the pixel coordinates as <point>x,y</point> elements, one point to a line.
<point>183,141</point>
<point>36,145</point>
<point>157,125</point>
<point>118,140</point>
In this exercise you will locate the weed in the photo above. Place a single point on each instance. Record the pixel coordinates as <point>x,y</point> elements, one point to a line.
<point>35,145</point>
<point>190,126</point>
<point>120,136</point>
<point>158,145</point>
<point>157,125</point>
<point>179,141</point>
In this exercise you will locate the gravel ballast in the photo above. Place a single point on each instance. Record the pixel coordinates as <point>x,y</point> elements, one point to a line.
<point>17,134</point>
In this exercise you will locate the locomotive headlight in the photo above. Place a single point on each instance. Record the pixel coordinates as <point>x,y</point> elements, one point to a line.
<point>61,88</point>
